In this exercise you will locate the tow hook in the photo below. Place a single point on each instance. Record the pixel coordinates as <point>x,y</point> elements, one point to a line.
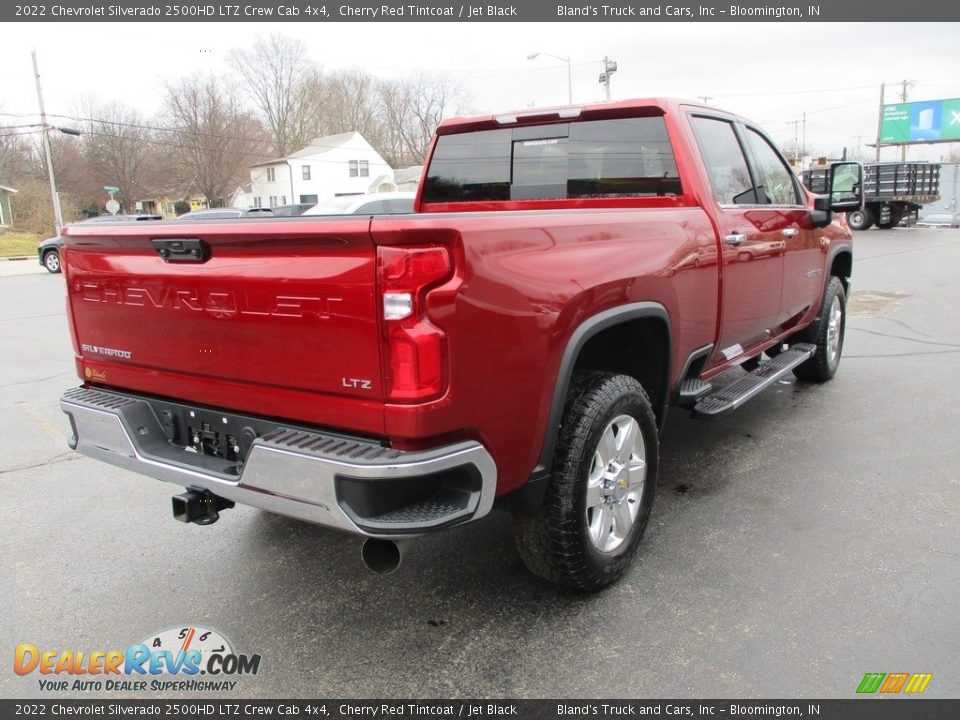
<point>199,506</point>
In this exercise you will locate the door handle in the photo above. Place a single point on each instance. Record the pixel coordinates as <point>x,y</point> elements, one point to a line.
<point>789,232</point>
<point>735,239</point>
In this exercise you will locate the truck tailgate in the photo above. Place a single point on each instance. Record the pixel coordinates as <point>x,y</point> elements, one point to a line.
<point>269,304</point>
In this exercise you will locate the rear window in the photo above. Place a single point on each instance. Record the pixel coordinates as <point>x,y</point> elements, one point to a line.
<point>596,159</point>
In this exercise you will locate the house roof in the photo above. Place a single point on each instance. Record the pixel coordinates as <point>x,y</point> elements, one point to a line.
<point>408,174</point>
<point>317,146</point>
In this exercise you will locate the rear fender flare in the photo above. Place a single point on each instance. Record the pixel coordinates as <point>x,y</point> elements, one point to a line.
<point>578,339</point>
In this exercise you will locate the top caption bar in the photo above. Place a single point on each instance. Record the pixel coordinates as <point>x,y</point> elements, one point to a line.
<point>520,11</point>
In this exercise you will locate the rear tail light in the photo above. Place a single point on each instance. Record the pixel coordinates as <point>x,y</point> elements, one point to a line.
<point>415,347</point>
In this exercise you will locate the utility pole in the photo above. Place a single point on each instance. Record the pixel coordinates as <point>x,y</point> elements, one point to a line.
<point>609,68</point>
<point>803,145</point>
<point>796,143</point>
<point>57,215</point>
<point>903,98</point>
<point>883,89</point>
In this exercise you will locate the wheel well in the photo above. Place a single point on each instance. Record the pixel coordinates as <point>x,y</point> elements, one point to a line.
<point>638,348</point>
<point>842,267</point>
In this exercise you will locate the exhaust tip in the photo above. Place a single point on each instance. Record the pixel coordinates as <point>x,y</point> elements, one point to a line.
<point>381,556</point>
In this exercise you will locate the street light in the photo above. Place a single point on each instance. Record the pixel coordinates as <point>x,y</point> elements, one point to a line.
<point>533,56</point>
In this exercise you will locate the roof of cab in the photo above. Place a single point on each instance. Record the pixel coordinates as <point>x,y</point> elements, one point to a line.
<point>635,107</point>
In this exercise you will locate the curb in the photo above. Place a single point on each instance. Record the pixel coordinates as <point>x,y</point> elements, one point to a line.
<point>17,258</point>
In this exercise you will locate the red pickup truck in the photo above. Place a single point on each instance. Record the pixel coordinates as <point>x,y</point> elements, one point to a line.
<point>567,275</point>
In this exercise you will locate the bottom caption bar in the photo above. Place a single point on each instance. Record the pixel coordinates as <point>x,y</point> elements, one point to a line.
<point>853,709</point>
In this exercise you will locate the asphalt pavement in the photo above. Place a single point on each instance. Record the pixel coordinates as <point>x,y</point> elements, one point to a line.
<point>794,546</point>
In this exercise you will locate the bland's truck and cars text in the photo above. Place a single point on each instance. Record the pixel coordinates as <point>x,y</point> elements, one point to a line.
<point>566,275</point>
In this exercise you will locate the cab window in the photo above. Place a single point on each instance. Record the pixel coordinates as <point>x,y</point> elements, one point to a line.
<point>778,185</point>
<point>726,163</point>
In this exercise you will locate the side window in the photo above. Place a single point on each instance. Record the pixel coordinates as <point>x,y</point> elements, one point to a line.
<point>726,164</point>
<point>779,184</point>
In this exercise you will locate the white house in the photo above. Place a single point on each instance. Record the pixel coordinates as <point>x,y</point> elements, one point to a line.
<point>6,216</point>
<point>242,197</point>
<point>328,167</point>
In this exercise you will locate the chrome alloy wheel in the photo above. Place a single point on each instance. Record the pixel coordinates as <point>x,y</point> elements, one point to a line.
<point>615,483</point>
<point>834,330</point>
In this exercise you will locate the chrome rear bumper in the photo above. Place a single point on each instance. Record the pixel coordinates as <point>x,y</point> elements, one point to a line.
<point>331,480</point>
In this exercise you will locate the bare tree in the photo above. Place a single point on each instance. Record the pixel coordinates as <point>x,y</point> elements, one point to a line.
<point>412,109</point>
<point>215,138</point>
<point>286,88</point>
<point>119,148</point>
<point>352,104</point>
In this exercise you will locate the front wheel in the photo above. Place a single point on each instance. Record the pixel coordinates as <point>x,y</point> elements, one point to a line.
<point>601,489</point>
<point>51,261</point>
<point>827,334</point>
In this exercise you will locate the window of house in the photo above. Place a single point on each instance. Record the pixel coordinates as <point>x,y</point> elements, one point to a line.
<point>273,201</point>
<point>257,201</point>
<point>309,199</point>
<point>306,172</point>
<point>359,168</point>
<point>271,174</point>
<point>283,199</point>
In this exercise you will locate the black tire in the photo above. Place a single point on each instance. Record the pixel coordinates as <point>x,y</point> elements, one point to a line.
<point>51,261</point>
<point>861,218</point>
<point>751,364</point>
<point>823,364</point>
<point>557,542</point>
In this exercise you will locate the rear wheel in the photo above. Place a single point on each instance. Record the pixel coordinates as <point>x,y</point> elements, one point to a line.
<point>51,261</point>
<point>827,333</point>
<point>861,218</point>
<point>601,489</point>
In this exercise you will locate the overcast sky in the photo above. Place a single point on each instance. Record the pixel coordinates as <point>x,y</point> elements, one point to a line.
<point>770,72</point>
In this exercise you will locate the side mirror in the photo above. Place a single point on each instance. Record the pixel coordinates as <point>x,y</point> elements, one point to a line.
<point>846,186</point>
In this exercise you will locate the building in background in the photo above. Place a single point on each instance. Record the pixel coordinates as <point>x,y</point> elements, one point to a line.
<point>328,167</point>
<point>6,214</point>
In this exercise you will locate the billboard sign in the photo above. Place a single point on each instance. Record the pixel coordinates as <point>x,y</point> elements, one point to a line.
<point>930,121</point>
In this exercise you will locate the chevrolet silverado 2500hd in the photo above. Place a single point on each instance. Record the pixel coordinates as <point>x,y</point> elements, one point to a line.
<point>566,276</point>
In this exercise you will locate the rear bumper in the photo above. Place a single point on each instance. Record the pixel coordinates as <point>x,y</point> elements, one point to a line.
<point>347,483</point>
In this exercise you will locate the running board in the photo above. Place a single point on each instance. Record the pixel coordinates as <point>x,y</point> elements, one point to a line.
<point>736,394</point>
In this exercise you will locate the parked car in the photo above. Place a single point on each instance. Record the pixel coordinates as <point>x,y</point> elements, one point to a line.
<point>940,219</point>
<point>226,213</point>
<point>386,203</point>
<point>48,251</point>
<point>292,210</point>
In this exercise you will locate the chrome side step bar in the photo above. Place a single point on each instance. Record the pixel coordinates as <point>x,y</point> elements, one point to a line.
<point>736,394</point>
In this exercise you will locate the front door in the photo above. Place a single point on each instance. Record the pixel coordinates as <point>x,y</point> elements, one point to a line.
<point>803,260</point>
<point>752,240</point>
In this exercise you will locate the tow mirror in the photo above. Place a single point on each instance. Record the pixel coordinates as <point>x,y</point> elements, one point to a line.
<point>846,186</point>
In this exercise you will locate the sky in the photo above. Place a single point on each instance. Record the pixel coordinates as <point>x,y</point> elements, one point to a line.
<point>772,73</point>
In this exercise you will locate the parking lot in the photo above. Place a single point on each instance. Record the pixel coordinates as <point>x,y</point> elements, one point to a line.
<point>794,545</point>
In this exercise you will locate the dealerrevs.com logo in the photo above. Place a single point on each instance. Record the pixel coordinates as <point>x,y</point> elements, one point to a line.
<point>177,659</point>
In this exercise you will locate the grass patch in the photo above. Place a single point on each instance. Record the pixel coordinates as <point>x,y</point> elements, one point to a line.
<point>13,244</point>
